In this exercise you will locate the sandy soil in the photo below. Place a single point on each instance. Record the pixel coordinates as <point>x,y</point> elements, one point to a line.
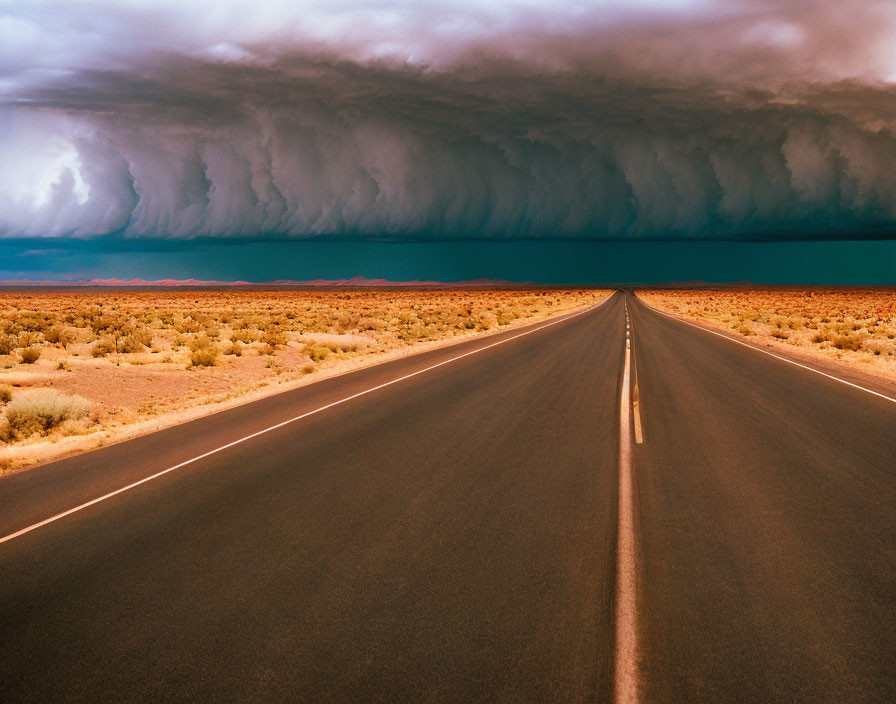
<point>261,343</point>
<point>855,329</point>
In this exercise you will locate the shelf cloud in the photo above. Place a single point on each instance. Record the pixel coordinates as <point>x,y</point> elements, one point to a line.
<point>651,120</point>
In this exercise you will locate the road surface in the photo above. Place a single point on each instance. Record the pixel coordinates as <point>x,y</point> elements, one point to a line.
<point>456,535</point>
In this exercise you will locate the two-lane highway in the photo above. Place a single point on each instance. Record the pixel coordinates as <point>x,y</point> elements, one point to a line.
<point>467,533</point>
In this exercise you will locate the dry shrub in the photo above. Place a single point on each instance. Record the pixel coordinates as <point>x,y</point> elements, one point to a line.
<point>57,335</point>
<point>370,324</point>
<point>273,338</point>
<point>7,344</point>
<point>132,343</point>
<point>5,393</point>
<point>847,342</point>
<point>203,352</point>
<point>142,336</point>
<point>336,343</point>
<point>232,348</point>
<point>28,338</point>
<point>41,411</point>
<point>505,317</point>
<point>242,336</point>
<point>317,353</point>
<point>188,326</point>
<point>30,355</point>
<point>110,324</point>
<point>103,347</point>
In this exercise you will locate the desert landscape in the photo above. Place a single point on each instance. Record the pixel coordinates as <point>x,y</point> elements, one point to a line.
<point>854,327</point>
<point>518,351</point>
<point>79,369</point>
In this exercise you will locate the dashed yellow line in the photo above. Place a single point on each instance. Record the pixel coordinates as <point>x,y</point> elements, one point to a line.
<point>625,651</point>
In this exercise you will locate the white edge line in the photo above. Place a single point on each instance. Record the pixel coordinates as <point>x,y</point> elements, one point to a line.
<point>133,485</point>
<point>625,650</point>
<point>770,354</point>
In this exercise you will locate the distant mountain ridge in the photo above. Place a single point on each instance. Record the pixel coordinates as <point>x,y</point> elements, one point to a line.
<point>356,282</point>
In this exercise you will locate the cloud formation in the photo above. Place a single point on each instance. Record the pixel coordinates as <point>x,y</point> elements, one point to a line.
<point>654,119</point>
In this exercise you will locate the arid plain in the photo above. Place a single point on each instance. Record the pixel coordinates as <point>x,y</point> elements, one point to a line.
<point>80,369</point>
<point>854,328</point>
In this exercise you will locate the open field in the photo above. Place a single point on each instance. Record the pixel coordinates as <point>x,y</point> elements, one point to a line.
<point>80,369</point>
<point>853,327</point>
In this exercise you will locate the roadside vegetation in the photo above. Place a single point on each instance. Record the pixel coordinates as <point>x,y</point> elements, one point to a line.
<point>84,362</point>
<point>43,411</point>
<point>856,327</point>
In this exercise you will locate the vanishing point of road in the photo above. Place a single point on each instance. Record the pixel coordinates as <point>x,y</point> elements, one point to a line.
<point>610,506</point>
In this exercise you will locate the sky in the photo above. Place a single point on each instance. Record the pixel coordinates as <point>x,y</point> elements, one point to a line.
<point>587,142</point>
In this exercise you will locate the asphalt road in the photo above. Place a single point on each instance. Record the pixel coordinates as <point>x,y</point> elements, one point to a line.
<point>452,537</point>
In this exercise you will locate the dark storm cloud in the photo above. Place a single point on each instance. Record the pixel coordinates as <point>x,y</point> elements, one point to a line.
<point>684,119</point>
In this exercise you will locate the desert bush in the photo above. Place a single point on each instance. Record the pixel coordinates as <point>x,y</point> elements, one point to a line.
<point>130,343</point>
<point>108,324</point>
<point>33,321</point>
<point>203,352</point>
<point>103,347</point>
<point>505,317</point>
<point>337,343</point>
<point>7,344</point>
<point>266,349</point>
<point>5,393</point>
<point>370,323</point>
<point>43,410</point>
<point>30,355</point>
<point>273,338</point>
<point>317,353</point>
<point>29,338</point>
<point>847,342</point>
<point>242,335</point>
<point>188,326</point>
<point>486,321</point>
<point>57,335</point>
<point>143,336</point>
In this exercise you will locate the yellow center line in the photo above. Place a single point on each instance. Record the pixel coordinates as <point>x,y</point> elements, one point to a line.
<point>636,400</point>
<point>625,672</point>
<point>636,411</point>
